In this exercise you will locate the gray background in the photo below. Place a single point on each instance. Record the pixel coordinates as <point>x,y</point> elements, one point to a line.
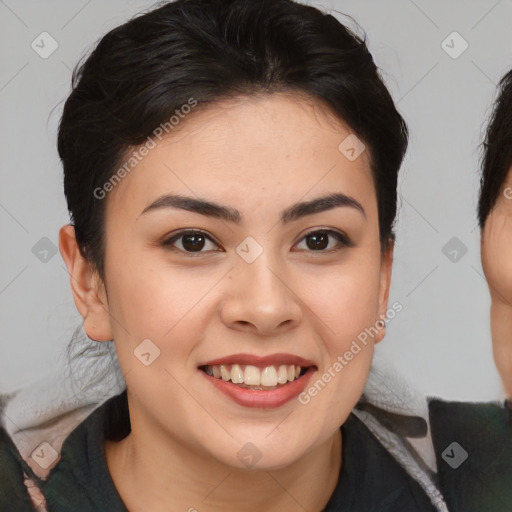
<point>440,340</point>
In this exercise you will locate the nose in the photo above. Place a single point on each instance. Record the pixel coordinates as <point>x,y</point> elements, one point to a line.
<point>261,298</point>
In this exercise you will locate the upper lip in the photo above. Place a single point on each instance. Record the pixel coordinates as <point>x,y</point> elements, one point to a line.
<point>262,361</point>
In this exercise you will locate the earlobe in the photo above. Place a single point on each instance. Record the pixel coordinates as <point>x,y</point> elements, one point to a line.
<point>384,286</point>
<point>87,287</point>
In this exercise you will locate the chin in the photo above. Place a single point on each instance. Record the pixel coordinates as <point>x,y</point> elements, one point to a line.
<point>269,451</point>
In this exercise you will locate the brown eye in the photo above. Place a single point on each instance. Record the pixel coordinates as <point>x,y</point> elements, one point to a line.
<point>318,240</point>
<point>190,241</point>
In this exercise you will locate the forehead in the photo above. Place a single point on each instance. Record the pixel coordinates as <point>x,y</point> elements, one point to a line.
<point>252,152</point>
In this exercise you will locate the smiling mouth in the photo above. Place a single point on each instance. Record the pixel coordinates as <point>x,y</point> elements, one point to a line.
<point>265,378</point>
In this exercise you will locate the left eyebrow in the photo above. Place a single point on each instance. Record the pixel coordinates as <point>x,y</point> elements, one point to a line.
<point>292,213</point>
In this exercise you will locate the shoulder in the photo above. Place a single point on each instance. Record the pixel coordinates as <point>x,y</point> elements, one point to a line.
<point>13,492</point>
<point>373,477</point>
<point>81,479</point>
<point>78,479</point>
<point>473,447</point>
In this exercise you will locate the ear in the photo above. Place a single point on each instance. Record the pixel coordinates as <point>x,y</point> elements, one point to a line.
<point>384,286</point>
<point>88,289</point>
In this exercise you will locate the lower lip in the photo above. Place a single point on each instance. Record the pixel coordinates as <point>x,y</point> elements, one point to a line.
<point>261,399</point>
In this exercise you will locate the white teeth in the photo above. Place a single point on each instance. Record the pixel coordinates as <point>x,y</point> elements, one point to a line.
<point>237,375</point>
<point>269,376</point>
<point>250,375</point>
<point>282,374</point>
<point>226,375</point>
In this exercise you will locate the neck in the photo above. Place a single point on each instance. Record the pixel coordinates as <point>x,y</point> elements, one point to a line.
<point>157,474</point>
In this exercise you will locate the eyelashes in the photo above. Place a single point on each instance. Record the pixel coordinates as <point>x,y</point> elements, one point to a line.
<point>192,241</point>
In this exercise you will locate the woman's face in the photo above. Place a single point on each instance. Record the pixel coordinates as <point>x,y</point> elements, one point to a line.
<point>496,250</point>
<point>497,244</point>
<point>268,284</point>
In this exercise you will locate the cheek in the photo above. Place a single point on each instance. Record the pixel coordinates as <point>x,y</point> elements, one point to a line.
<point>341,306</point>
<point>497,253</point>
<point>153,298</point>
<point>166,306</point>
<point>347,296</point>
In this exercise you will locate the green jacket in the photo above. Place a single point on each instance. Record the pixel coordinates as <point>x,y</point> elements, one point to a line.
<point>473,475</point>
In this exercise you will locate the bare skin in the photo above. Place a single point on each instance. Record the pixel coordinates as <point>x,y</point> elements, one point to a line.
<point>496,249</point>
<point>259,155</point>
